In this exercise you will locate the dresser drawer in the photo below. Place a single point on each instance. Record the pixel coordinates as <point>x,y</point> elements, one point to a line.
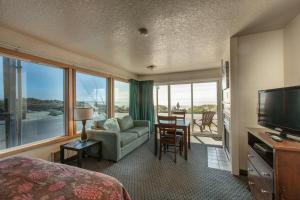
<point>257,186</point>
<point>263,169</point>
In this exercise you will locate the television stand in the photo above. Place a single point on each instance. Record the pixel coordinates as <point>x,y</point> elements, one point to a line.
<point>273,167</point>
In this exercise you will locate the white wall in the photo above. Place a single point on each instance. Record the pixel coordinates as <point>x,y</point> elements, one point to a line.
<point>189,76</point>
<point>260,65</point>
<point>24,43</point>
<point>292,52</point>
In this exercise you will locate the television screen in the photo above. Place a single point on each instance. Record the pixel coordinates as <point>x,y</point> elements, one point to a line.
<point>280,108</point>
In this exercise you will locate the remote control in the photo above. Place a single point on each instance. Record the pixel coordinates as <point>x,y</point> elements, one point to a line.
<point>276,138</point>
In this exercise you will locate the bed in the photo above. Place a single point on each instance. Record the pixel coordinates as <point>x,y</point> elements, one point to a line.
<point>23,178</point>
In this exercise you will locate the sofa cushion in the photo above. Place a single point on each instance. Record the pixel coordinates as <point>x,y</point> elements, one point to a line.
<point>99,124</point>
<point>127,138</point>
<point>112,125</point>
<point>125,123</point>
<point>138,130</point>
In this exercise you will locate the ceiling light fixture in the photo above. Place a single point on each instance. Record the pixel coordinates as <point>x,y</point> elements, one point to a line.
<point>143,31</point>
<point>151,67</point>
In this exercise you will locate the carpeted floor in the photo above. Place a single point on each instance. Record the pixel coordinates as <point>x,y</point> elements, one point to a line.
<point>147,178</point>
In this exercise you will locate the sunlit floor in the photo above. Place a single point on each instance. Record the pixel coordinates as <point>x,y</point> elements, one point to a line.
<point>216,157</point>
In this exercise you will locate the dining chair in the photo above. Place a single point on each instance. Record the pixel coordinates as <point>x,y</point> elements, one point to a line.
<point>168,136</point>
<point>180,114</point>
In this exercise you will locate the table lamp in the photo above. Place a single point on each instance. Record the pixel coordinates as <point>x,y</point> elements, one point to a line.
<point>83,114</point>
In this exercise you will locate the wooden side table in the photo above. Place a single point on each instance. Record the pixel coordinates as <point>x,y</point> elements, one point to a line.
<point>80,148</point>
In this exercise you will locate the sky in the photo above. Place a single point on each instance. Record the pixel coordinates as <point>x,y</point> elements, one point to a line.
<point>38,81</point>
<point>46,83</point>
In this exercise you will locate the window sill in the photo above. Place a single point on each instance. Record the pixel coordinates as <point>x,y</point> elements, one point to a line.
<point>34,145</point>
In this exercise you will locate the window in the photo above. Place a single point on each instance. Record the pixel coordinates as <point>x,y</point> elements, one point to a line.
<point>121,98</point>
<point>162,100</point>
<point>181,98</point>
<point>91,91</point>
<point>32,103</point>
<point>195,98</point>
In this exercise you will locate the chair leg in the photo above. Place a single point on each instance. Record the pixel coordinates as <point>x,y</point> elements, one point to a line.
<point>209,128</point>
<point>180,148</point>
<point>160,149</point>
<point>175,152</point>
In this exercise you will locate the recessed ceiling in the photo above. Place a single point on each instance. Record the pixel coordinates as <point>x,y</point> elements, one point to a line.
<point>182,35</point>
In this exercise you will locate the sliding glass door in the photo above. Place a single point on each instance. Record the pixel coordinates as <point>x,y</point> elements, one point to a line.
<point>180,97</point>
<point>162,105</point>
<point>204,99</point>
<point>196,99</point>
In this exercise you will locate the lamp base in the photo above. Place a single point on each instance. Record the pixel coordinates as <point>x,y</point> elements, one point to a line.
<point>83,136</point>
<point>83,141</point>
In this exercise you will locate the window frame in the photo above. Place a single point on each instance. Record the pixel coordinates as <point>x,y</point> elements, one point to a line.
<point>70,97</point>
<point>92,73</point>
<point>113,92</point>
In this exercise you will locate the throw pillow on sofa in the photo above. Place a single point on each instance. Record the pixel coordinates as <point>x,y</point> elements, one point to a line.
<point>112,125</point>
<point>125,123</point>
<point>99,125</point>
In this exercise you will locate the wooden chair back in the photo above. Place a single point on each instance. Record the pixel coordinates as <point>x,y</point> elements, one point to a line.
<point>207,117</point>
<point>167,126</point>
<point>179,114</point>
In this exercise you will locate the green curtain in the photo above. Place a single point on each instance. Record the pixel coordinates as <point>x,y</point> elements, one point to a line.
<point>141,101</point>
<point>134,106</point>
<point>146,102</point>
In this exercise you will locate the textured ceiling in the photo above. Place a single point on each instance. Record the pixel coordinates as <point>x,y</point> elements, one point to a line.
<point>183,34</point>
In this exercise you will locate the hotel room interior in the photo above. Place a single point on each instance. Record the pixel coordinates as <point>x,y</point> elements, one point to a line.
<point>149,99</point>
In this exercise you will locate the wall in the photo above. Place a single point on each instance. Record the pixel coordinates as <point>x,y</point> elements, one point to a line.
<point>24,43</point>
<point>203,75</point>
<point>260,65</point>
<point>291,53</point>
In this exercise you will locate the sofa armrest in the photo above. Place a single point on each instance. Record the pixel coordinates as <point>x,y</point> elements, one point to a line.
<point>111,148</point>
<point>141,123</point>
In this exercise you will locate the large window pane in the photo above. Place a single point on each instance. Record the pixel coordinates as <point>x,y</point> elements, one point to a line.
<point>205,99</point>
<point>121,98</point>
<point>91,91</point>
<point>181,98</point>
<point>162,104</point>
<point>32,105</point>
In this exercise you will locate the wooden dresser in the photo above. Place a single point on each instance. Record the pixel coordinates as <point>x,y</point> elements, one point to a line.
<point>273,167</point>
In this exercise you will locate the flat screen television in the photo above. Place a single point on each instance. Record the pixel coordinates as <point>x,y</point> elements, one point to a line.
<point>279,109</point>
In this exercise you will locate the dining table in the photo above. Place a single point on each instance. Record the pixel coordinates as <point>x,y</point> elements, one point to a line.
<point>181,124</point>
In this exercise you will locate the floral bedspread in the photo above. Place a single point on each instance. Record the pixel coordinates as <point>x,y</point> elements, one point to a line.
<point>24,178</point>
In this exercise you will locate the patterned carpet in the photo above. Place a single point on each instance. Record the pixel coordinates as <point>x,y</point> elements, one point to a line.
<point>147,178</point>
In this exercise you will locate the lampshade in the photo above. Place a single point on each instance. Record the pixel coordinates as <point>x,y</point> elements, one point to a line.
<point>83,114</point>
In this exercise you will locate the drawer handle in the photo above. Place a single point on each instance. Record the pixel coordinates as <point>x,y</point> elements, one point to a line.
<point>251,183</point>
<point>250,170</point>
<point>264,191</point>
<point>250,156</point>
<point>265,174</point>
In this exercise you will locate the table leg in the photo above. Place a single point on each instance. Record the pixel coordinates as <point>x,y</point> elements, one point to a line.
<point>79,159</point>
<point>155,140</point>
<point>185,142</point>
<point>99,151</point>
<point>189,136</point>
<point>62,155</point>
